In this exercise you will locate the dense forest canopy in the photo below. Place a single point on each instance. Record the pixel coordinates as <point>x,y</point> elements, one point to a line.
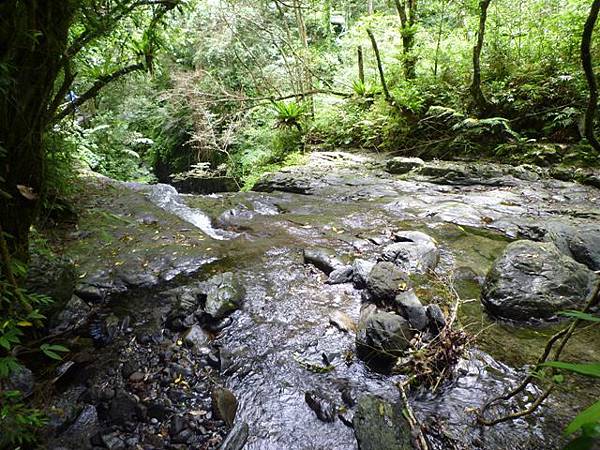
<point>190,92</point>
<point>157,87</point>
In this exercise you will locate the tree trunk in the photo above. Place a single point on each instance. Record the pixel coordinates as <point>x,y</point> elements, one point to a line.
<point>33,38</point>
<point>407,11</point>
<point>481,104</point>
<point>386,93</point>
<point>361,65</point>
<point>586,60</point>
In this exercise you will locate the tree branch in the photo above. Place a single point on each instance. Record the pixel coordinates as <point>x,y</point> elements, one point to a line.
<point>96,88</point>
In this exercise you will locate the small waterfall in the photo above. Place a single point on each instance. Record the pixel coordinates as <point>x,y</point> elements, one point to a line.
<point>166,197</point>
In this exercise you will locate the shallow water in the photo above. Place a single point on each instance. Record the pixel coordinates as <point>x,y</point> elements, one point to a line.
<point>287,306</point>
<point>349,204</point>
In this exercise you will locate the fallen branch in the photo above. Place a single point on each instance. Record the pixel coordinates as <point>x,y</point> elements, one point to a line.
<point>565,334</point>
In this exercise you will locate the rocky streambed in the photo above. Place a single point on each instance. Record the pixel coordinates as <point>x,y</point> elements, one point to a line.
<point>258,319</point>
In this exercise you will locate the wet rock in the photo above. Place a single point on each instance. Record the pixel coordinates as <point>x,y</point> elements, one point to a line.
<point>361,269</point>
<point>436,317</point>
<point>113,441</point>
<point>123,408</point>
<point>137,377</point>
<point>322,405</point>
<point>386,280</point>
<point>157,411</point>
<point>382,337</point>
<point>74,315</point>
<point>401,165</point>
<point>341,275</point>
<point>90,292</point>
<point>379,425</point>
<point>415,253</point>
<point>224,295</point>
<point>411,308</point>
<point>86,423</point>
<point>582,242</point>
<point>224,405</point>
<point>237,437</point>
<point>53,277</point>
<point>195,337</point>
<point>323,259</point>
<point>532,280</point>
<point>22,380</point>
<point>342,321</point>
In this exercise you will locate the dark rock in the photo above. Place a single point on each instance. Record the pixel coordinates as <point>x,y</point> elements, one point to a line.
<point>53,277</point>
<point>22,380</point>
<point>86,423</point>
<point>532,280</point>
<point>123,408</point>
<point>224,405</point>
<point>195,337</point>
<point>378,425</point>
<point>237,437</point>
<point>415,253</point>
<point>382,337</point>
<point>129,367</point>
<point>386,280</point>
<point>74,315</point>
<point>113,441</point>
<point>157,411</point>
<point>346,417</point>
<point>322,405</point>
<point>582,242</point>
<point>341,275</point>
<point>323,259</point>
<point>412,309</point>
<point>90,293</point>
<point>361,270</point>
<point>137,377</point>
<point>178,423</point>
<point>436,317</point>
<point>224,295</point>
<point>401,165</point>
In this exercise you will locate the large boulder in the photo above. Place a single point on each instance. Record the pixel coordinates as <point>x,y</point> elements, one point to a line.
<point>415,252</point>
<point>534,280</point>
<point>382,337</point>
<point>386,280</point>
<point>379,425</point>
<point>581,242</point>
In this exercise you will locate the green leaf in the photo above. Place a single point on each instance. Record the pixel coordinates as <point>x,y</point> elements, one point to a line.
<point>589,370</point>
<point>579,315</point>
<point>590,415</point>
<point>50,350</point>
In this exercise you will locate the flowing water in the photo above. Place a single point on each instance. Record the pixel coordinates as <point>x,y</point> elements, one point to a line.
<point>348,204</point>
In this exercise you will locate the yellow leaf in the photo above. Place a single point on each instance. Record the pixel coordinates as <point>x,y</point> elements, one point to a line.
<point>24,323</point>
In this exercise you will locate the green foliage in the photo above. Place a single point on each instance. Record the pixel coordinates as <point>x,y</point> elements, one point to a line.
<point>18,423</point>
<point>19,315</point>
<point>588,420</point>
<point>288,114</point>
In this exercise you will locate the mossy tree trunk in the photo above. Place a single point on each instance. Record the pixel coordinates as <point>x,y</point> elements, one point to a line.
<point>33,38</point>
<point>586,60</point>
<point>407,11</point>
<point>480,102</point>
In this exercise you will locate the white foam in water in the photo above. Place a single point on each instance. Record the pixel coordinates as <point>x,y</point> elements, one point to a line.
<point>166,197</point>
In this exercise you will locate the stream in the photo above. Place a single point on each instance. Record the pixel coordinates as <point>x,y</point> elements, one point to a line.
<point>351,204</point>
